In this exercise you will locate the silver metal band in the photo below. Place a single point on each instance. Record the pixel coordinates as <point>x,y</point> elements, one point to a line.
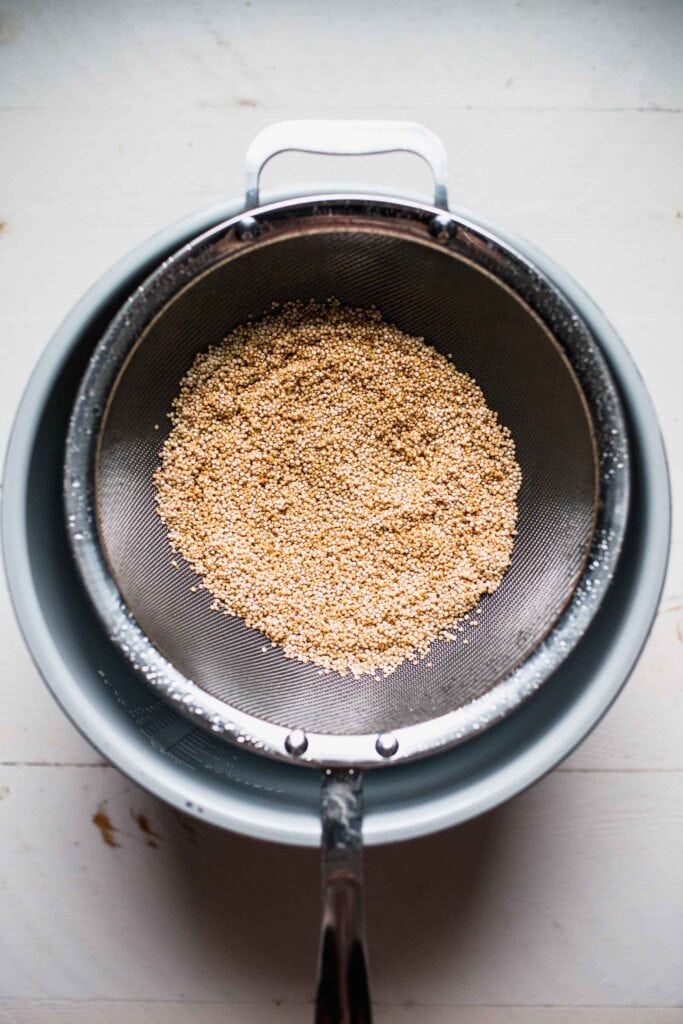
<point>346,138</point>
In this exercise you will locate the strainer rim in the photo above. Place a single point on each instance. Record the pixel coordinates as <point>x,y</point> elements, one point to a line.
<point>322,749</point>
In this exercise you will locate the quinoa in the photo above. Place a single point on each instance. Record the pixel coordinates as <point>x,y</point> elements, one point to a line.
<point>339,485</point>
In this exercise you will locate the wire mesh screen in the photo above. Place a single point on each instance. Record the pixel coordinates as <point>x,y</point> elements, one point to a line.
<point>458,309</point>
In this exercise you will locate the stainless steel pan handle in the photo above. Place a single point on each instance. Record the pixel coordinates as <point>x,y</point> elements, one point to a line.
<point>342,995</point>
<point>347,138</point>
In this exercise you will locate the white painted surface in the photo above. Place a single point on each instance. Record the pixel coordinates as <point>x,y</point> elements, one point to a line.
<point>567,896</point>
<point>563,121</point>
<point>136,1012</point>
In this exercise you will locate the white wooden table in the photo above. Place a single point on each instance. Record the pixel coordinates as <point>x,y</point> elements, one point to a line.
<point>564,121</point>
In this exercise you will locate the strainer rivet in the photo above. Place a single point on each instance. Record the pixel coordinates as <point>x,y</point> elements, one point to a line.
<point>247,228</point>
<point>442,227</point>
<point>296,743</point>
<point>386,744</point>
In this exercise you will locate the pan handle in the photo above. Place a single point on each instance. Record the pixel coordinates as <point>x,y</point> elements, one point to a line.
<point>347,138</point>
<point>342,995</point>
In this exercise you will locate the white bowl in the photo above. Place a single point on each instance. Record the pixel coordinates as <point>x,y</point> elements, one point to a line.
<point>229,786</point>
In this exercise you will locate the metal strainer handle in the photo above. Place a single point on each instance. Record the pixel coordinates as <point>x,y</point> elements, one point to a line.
<point>347,138</point>
<point>342,995</point>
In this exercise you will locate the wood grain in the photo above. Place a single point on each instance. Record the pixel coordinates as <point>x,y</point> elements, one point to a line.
<point>571,894</point>
<point>564,121</point>
<point>135,1012</point>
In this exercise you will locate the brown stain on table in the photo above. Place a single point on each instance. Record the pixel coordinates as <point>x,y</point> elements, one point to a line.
<point>101,820</point>
<point>142,821</point>
<point>111,834</point>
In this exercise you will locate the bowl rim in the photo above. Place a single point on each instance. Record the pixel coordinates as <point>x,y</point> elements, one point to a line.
<point>237,810</point>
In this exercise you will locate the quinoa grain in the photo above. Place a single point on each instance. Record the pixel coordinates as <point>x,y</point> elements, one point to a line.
<point>338,485</point>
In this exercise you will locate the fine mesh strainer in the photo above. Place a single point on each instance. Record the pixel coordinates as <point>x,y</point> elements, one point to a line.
<point>468,294</point>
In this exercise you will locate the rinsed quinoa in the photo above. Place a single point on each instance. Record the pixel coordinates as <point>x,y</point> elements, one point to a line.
<point>338,485</point>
